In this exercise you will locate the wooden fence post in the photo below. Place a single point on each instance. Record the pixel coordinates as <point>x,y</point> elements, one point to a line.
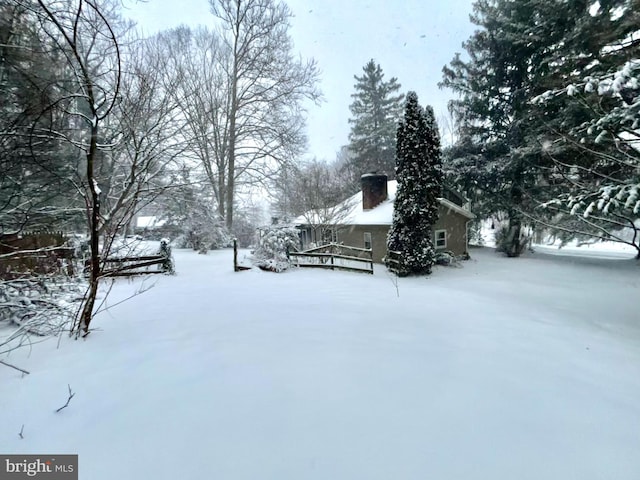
<point>235,255</point>
<point>236,266</point>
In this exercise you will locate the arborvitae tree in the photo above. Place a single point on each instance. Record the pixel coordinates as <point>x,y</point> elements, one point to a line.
<point>376,109</point>
<point>419,175</point>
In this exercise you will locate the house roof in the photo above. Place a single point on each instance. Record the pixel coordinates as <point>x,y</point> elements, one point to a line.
<point>382,214</point>
<point>149,221</point>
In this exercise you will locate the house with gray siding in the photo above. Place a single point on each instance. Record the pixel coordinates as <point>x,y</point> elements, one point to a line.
<point>367,216</point>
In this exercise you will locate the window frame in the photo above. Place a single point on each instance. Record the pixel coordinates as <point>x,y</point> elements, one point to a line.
<point>329,235</point>
<point>370,247</point>
<point>435,239</point>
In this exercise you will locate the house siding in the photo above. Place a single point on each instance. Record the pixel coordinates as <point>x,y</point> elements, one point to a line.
<point>453,222</point>
<point>456,227</point>
<point>353,235</point>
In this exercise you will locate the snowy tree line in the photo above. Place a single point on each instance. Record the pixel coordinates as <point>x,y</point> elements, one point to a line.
<point>96,121</point>
<point>222,103</point>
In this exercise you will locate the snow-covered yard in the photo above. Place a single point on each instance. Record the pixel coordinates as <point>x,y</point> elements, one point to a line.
<point>523,368</point>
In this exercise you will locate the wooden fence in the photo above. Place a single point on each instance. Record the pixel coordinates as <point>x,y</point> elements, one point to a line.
<point>130,266</point>
<point>334,256</point>
<point>392,259</point>
<point>43,253</point>
<point>39,253</point>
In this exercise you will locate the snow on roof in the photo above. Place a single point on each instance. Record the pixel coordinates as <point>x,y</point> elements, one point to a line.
<point>382,214</point>
<point>149,222</point>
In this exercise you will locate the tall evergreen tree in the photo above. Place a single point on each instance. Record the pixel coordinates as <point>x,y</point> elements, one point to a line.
<point>35,168</point>
<point>506,55</point>
<point>593,191</point>
<point>376,109</point>
<point>522,49</point>
<point>419,175</point>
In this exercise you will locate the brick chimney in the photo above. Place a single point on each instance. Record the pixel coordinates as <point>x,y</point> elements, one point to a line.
<point>374,190</point>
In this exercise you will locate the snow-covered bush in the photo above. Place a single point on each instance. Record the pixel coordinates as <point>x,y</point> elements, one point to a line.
<point>208,236</point>
<point>475,233</point>
<point>198,226</point>
<point>274,246</point>
<point>40,306</point>
<point>445,258</point>
<point>167,265</point>
<point>181,241</point>
<point>450,259</point>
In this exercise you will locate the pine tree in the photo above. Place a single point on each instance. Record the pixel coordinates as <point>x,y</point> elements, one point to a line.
<point>509,159</point>
<point>506,57</point>
<point>419,175</point>
<point>35,168</point>
<point>376,109</point>
<point>601,81</point>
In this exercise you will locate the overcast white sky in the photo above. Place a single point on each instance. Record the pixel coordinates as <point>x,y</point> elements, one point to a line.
<point>410,39</point>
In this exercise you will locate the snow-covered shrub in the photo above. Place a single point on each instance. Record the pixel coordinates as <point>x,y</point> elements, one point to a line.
<point>39,306</point>
<point>81,248</point>
<point>205,237</point>
<point>445,258</point>
<point>273,248</point>
<point>200,228</point>
<point>167,265</point>
<point>180,241</point>
<point>450,259</point>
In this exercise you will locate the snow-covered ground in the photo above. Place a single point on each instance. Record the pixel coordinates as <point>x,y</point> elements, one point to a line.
<point>552,246</point>
<point>525,368</point>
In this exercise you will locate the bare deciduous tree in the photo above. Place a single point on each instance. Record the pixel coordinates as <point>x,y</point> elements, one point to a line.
<point>141,140</point>
<point>315,192</point>
<point>265,86</point>
<point>194,58</point>
<point>83,32</point>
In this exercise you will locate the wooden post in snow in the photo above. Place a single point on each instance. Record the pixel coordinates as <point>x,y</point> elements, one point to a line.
<point>235,255</point>
<point>236,267</point>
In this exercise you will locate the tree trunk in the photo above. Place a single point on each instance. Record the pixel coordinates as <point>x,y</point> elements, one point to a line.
<point>94,274</point>
<point>233,111</point>
<point>513,247</point>
<point>222,195</point>
<point>230,180</point>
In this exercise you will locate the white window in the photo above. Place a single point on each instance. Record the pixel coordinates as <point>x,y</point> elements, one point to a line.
<point>441,238</point>
<point>330,235</point>
<point>367,240</point>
